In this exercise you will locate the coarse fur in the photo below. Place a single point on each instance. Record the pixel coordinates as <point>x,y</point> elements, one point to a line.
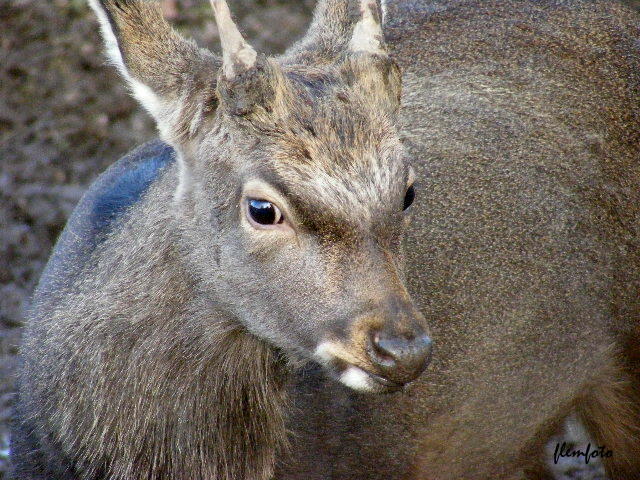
<point>159,337</point>
<point>122,338</point>
<point>159,343</point>
<point>522,120</point>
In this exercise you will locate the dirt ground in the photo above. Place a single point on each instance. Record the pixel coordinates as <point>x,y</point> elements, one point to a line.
<point>65,116</point>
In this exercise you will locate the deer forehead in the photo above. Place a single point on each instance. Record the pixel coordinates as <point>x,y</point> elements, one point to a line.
<point>344,157</point>
<point>339,128</point>
<point>329,145</point>
<point>356,186</point>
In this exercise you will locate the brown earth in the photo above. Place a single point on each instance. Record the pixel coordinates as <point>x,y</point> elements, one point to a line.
<point>65,116</point>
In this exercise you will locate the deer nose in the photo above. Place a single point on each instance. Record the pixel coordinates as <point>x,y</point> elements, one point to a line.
<point>400,358</point>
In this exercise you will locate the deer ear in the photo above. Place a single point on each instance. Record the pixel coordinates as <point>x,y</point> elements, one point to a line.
<point>367,34</point>
<point>169,75</point>
<point>349,33</point>
<point>367,65</point>
<point>340,26</point>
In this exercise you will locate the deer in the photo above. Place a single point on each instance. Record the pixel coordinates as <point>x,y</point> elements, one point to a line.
<point>258,294</point>
<point>521,120</point>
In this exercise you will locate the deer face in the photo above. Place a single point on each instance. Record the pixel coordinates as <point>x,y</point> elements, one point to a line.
<point>294,189</point>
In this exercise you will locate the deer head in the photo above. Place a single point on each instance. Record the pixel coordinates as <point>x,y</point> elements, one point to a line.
<point>294,191</point>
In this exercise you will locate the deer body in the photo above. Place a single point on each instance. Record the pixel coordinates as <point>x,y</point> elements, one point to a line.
<point>194,278</point>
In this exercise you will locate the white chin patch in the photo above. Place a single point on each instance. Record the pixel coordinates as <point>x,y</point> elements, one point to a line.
<point>325,352</point>
<point>354,377</point>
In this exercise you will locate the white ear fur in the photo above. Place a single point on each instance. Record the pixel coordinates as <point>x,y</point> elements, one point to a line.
<point>166,112</point>
<point>367,33</point>
<point>149,100</point>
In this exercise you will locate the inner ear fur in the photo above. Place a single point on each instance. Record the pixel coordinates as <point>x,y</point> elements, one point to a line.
<point>171,76</point>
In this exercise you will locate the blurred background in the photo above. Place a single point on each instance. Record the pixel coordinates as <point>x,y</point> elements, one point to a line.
<point>65,116</point>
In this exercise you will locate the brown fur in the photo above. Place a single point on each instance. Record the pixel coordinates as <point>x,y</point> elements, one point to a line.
<point>522,121</point>
<point>165,356</point>
<point>162,352</point>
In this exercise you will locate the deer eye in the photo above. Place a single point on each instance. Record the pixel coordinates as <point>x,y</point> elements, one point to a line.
<point>409,197</point>
<point>264,212</point>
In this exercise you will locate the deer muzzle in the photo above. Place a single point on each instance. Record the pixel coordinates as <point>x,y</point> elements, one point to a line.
<point>386,349</point>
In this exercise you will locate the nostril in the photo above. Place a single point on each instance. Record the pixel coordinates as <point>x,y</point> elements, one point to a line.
<point>383,354</point>
<point>409,353</point>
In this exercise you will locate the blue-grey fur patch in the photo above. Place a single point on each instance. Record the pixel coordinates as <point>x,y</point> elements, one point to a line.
<point>109,197</point>
<point>125,190</point>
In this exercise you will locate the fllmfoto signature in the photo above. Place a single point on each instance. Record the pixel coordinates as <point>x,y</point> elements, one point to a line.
<point>564,450</point>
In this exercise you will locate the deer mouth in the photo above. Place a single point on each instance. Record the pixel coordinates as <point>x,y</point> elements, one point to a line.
<point>362,380</point>
<point>345,366</point>
<point>352,374</point>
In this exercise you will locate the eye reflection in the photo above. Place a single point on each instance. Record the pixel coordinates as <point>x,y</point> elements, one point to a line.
<point>264,212</point>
